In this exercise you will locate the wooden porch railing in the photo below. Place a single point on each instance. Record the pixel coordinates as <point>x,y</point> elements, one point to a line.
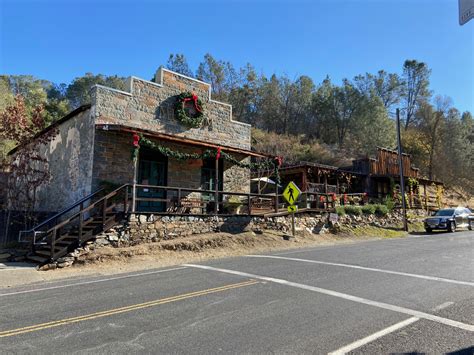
<point>180,200</point>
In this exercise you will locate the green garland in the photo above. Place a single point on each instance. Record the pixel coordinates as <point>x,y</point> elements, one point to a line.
<point>181,116</point>
<point>266,164</point>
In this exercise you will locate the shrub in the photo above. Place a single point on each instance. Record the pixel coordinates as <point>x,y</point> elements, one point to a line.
<point>389,202</point>
<point>340,211</point>
<point>354,210</point>
<point>368,209</point>
<point>381,210</point>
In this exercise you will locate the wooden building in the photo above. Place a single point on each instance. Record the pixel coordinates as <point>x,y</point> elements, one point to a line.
<point>376,177</point>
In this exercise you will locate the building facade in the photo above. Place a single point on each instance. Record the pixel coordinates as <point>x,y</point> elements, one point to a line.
<point>95,143</point>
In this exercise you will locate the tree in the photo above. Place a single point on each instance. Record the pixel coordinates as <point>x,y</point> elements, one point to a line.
<point>457,152</point>
<point>416,87</point>
<point>221,75</point>
<point>32,90</point>
<point>430,120</point>
<point>372,127</point>
<point>78,92</point>
<point>179,64</point>
<point>301,113</point>
<point>28,169</point>
<point>244,97</point>
<point>387,86</point>
<point>269,105</point>
<point>338,107</point>
<point>6,96</point>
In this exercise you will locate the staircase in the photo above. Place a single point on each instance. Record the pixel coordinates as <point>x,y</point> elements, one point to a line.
<point>77,224</point>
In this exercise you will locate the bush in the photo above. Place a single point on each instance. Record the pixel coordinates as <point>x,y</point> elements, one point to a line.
<point>340,211</point>
<point>368,209</point>
<point>381,210</point>
<point>354,210</point>
<point>389,202</point>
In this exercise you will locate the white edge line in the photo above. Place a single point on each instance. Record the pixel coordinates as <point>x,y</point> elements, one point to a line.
<point>361,342</point>
<point>390,307</point>
<point>91,282</point>
<point>425,277</point>
<point>372,337</point>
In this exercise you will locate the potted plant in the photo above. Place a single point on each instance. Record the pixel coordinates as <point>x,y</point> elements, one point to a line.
<point>233,205</point>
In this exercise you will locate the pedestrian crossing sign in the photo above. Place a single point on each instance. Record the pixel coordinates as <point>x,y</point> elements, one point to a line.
<point>291,193</point>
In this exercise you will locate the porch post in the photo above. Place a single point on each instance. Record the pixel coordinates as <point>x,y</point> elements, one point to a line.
<point>216,193</point>
<point>134,189</point>
<point>426,197</point>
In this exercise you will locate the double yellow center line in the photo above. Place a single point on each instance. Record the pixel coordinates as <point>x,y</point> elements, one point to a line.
<point>57,323</point>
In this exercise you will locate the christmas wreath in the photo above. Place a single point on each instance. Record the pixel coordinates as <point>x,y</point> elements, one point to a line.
<point>183,115</point>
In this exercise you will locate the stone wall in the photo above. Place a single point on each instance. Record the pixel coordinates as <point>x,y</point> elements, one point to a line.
<point>236,178</point>
<point>112,158</point>
<point>150,105</point>
<point>154,228</point>
<point>70,156</point>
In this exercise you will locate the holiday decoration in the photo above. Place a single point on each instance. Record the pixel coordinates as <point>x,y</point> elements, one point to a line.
<point>195,120</point>
<point>265,164</point>
<point>136,146</point>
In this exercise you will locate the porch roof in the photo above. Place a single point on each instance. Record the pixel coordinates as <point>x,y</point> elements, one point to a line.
<point>181,140</point>
<point>307,164</point>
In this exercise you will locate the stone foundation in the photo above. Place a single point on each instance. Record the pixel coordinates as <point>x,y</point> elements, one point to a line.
<point>143,228</point>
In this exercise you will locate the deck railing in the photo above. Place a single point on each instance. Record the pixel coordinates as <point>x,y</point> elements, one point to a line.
<point>179,200</point>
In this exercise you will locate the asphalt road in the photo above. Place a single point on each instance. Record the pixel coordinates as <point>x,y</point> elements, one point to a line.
<point>412,295</point>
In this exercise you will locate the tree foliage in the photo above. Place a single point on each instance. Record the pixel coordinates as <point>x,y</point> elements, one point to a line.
<point>78,92</point>
<point>179,64</point>
<point>296,117</point>
<point>27,167</point>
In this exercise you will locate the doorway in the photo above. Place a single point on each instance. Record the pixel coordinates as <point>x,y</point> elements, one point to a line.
<point>152,170</point>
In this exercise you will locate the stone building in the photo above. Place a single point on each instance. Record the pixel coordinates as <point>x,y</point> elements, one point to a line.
<point>94,145</point>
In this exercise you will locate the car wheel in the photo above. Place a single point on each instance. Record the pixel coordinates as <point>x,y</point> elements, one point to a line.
<point>451,227</point>
<point>428,230</point>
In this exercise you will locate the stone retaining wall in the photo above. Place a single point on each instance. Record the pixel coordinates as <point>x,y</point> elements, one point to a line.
<point>152,228</point>
<point>143,228</point>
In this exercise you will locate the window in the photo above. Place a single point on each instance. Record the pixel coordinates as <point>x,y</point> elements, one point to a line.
<point>208,174</point>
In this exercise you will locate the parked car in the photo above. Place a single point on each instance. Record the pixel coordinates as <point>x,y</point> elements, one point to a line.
<point>450,219</point>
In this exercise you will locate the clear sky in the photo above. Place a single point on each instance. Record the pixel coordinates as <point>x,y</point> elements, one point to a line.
<point>59,40</point>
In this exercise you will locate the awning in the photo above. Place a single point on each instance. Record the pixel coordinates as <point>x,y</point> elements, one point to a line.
<point>181,140</point>
<point>264,179</point>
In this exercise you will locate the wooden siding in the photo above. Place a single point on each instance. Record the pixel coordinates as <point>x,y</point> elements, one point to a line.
<point>387,164</point>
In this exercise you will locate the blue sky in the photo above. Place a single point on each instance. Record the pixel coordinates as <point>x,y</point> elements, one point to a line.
<point>60,40</point>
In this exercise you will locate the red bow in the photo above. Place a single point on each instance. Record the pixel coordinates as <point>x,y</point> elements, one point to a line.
<point>136,140</point>
<point>218,155</point>
<point>194,98</point>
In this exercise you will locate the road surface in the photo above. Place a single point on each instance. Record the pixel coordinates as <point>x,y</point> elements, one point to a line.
<point>412,295</point>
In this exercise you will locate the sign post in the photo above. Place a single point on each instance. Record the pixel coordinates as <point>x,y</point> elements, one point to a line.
<point>291,194</point>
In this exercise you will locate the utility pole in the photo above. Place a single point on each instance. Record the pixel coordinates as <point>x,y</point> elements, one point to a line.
<point>402,180</point>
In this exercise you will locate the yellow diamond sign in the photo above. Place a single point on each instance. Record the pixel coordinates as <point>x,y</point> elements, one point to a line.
<point>291,193</point>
